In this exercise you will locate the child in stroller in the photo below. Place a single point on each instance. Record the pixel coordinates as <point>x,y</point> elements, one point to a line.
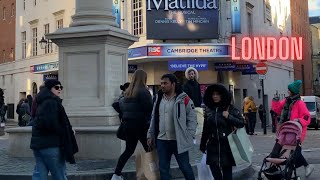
<point>280,164</point>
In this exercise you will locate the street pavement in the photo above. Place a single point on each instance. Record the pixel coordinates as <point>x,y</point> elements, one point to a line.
<point>263,145</point>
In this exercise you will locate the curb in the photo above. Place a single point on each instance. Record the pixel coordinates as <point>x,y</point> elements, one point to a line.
<point>238,173</point>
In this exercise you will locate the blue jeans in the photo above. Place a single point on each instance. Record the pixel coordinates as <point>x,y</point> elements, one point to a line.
<point>49,159</point>
<point>165,150</point>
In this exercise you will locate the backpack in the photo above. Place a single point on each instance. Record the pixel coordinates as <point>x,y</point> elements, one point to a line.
<point>185,102</point>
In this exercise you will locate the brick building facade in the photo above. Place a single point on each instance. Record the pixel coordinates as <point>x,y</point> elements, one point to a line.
<point>300,27</point>
<point>7,30</point>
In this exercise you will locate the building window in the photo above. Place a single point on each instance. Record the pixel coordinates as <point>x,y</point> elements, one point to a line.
<point>4,13</point>
<point>4,56</point>
<point>34,41</point>
<point>24,44</point>
<point>249,23</point>
<point>59,23</point>
<point>48,48</point>
<point>12,10</point>
<point>24,4</point>
<point>137,17</point>
<point>12,53</point>
<point>244,93</point>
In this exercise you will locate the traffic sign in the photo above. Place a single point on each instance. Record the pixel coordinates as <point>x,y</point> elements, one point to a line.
<point>261,68</point>
<point>262,76</point>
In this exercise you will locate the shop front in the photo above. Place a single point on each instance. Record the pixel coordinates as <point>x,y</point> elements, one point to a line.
<point>211,60</point>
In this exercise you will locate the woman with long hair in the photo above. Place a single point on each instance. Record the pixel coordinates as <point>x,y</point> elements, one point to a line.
<point>220,118</point>
<point>136,107</point>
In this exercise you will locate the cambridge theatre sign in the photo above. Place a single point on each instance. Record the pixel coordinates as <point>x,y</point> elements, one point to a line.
<point>182,19</point>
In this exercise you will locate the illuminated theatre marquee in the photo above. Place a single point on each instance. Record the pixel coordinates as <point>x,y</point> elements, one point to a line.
<point>267,48</point>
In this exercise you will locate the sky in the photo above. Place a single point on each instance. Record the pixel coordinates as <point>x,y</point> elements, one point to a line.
<point>314,8</point>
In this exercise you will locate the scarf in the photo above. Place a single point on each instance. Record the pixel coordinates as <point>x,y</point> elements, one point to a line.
<point>286,111</point>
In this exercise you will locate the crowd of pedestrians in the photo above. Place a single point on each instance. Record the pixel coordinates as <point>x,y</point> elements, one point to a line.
<point>165,123</point>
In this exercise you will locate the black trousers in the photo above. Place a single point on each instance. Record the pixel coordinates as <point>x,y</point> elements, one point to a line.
<point>224,173</point>
<point>133,136</point>
<point>252,121</point>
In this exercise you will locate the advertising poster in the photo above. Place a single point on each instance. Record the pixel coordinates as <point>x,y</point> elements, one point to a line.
<point>182,19</point>
<point>116,11</point>
<point>235,16</point>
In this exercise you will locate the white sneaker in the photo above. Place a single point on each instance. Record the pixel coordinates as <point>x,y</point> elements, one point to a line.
<point>116,177</point>
<point>309,169</point>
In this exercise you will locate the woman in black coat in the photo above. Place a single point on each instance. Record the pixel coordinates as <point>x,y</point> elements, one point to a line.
<point>53,141</point>
<point>220,118</point>
<point>136,108</point>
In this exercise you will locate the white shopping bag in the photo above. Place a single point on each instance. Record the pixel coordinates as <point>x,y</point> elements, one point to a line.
<point>204,172</point>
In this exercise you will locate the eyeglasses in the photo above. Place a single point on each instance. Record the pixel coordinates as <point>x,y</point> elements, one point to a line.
<point>58,87</point>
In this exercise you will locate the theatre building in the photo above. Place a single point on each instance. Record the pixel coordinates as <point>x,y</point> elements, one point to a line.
<point>173,38</point>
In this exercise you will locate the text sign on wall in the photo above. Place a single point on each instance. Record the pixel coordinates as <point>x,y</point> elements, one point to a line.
<point>182,19</point>
<point>189,51</point>
<point>50,77</point>
<point>235,16</point>
<point>47,67</point>
<point>180,65</point>
<point>138,52</point>
<point>229,66</point>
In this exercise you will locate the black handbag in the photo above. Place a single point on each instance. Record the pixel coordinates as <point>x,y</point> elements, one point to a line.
<point>121,133</point>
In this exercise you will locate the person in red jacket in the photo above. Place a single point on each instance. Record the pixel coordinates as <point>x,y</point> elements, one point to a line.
<point>293,108</point>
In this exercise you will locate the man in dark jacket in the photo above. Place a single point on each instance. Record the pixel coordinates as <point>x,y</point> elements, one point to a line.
<point>53,142</point>
<point>192,87</point>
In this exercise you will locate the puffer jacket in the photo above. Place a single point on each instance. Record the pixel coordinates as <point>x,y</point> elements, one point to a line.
<point>249,105</point>
<point>47,128</point>
<point>51,126</point>
<point>136,112</point>
<point>215,135</point>
<point>299,112</point>
<point>216,129</point>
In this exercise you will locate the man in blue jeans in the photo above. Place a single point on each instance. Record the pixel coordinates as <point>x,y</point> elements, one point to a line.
<point>172,127</point>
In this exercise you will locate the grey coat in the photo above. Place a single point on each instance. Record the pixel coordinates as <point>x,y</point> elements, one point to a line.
<point>185,123</point>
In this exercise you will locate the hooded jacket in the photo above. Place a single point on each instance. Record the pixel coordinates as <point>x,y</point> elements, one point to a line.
<point>216,128</point>
<point>185,121</point>
<point>192,88</point>
<point>249,105</point>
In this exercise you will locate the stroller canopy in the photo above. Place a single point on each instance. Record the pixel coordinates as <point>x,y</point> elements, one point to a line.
<point>289,133</point>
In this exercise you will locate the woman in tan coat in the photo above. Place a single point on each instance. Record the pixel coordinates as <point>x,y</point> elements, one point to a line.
<point>250,112</point>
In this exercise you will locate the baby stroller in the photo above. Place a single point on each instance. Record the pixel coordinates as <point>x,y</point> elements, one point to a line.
<point>280,163</point>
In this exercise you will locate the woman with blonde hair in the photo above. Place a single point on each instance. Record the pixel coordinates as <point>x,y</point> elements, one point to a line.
<point>136,107</point>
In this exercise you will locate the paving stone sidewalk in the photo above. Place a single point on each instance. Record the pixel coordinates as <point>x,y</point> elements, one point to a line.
<point>10,166</point>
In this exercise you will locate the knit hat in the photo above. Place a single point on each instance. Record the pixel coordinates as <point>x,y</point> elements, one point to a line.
<point>51,83</point>
<point>295,87</point>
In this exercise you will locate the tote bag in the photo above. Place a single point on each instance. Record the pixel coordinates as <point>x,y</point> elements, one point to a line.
<point>241,146</point>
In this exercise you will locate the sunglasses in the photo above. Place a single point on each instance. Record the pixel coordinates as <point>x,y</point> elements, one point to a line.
<point>58,87</point>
